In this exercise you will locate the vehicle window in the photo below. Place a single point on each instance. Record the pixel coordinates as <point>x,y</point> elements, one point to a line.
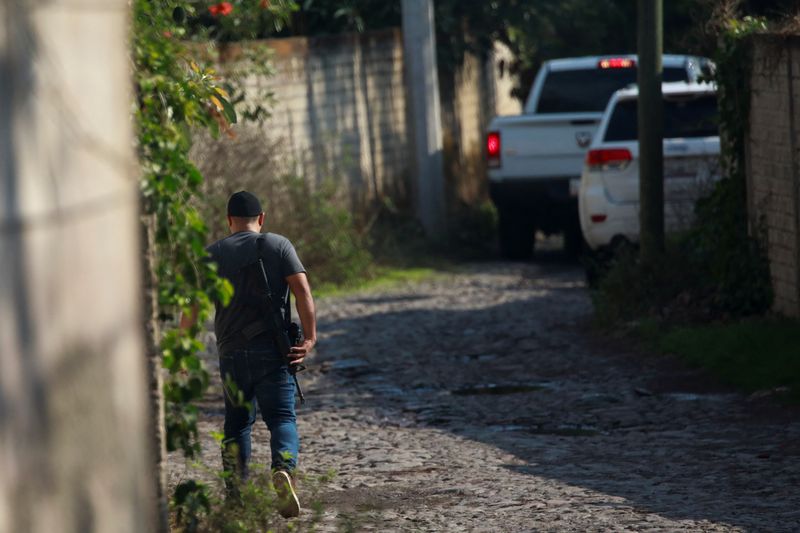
<point>588,90</point>
<point>674,74</point>
<point>694,116</point>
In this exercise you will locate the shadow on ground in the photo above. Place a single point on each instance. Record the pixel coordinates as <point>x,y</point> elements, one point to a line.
<point>508,361</point>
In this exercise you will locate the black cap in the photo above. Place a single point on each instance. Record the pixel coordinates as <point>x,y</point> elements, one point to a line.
<point>243,204</point>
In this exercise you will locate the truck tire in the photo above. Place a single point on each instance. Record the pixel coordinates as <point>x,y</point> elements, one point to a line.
<point>573,241</point>
<point>516,233</point>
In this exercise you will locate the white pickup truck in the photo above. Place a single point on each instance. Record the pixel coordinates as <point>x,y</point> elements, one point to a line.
<point>535,159</point>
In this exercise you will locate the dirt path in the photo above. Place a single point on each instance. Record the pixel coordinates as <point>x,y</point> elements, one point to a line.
<point>477,402</point>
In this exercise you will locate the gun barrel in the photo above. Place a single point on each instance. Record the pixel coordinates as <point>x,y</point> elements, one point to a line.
<point>299,390</point>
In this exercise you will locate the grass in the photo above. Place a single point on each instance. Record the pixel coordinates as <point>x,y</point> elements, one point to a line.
<point>383,277</point>
<point>751,355</point>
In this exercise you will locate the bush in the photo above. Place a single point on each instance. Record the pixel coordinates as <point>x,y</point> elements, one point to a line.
<point>396,237</point>
<point>631,289</point>
<point>473,229</point>
<point>713,271</point>
<point>311,215</point>
<point>324,234</point>
<point>719,267</point>
<point>732,262</point>
<point>201,508</point>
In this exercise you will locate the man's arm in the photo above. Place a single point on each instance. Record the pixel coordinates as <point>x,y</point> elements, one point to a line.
<point>298,283</point>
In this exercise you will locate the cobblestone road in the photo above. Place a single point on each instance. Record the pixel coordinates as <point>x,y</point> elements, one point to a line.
<point>478,402</point>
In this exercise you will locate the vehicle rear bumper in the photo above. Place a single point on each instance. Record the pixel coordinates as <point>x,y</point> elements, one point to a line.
<point>532,193</point>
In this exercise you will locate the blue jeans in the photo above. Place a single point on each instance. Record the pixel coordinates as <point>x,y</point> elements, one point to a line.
<point>258,374</point>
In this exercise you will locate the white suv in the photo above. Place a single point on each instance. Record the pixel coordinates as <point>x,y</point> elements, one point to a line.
<point>608,199</point>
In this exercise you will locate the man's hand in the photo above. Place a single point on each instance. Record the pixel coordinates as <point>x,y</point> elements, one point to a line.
<point>298,283</point>
<point>298,353</point>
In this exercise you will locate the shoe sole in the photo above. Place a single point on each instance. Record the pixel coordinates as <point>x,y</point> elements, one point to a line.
<point>288,504</point>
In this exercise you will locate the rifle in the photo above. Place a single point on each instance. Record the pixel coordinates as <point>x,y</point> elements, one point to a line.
<point>287,334</point>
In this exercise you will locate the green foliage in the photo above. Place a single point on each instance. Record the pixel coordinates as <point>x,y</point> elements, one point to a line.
<point>632,289</point>
<point>201,508</point>
<point>535,31</point>
<point>734,260</point>
<point>237,20</point>
<point>718,268</point>
<point>190,502</point>
<point>323,231</point>
<point>175,96</point>
<point>473,229</point>
<point>319,17</point>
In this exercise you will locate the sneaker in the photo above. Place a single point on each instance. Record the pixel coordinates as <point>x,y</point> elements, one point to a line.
<point>288,504</point>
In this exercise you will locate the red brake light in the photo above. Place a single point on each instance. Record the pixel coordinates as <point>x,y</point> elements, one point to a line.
<point>493,147</point>
<point>617,157</point>
<point>616,62</point>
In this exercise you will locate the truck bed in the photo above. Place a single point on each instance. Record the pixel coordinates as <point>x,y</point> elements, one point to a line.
<point>543,146</point>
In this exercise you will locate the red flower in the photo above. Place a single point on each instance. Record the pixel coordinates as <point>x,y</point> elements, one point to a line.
<point>221,9</point>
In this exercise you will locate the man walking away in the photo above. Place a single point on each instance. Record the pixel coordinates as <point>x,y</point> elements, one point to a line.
<point>251,365</point>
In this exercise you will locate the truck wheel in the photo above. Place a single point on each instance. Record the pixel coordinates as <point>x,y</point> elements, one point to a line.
<point>573,240</point>
<point>516,233</point>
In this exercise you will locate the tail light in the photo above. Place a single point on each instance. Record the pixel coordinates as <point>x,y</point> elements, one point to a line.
<point>616,62</point>
<point>608,159</point>
<point>493,149</point>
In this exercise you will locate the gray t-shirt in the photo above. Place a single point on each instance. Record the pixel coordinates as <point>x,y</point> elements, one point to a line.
<point>236,257</point>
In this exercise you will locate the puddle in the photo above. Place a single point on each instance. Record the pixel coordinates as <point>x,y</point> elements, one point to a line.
<point>481,358</point>
<point>599,398</point>
<point>493,388</point>
<point>691,397</point>
<point>387,390</point>
<point>563,430</point>
<point>348,364</point>
<point>503,429</point>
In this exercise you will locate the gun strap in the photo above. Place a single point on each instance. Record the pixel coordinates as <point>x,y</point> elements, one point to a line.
<point>287,315</point>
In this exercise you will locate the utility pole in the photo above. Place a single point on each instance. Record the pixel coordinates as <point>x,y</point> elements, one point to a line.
<point>425,119</point>
<point>651,129</point>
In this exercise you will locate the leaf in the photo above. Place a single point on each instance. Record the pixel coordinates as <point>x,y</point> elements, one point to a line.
<point>217,103</point>
<point>228,111</point>
<point>222,92</point>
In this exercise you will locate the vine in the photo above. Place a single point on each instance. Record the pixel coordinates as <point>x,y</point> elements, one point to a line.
<point>735,259</point>
<point>176,96</point>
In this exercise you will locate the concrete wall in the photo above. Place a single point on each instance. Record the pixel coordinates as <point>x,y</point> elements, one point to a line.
<point>73,453</point>
<point>340,113</point>
<point>502,81</point>
<point>773,172</point>
<point>478,91</point>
